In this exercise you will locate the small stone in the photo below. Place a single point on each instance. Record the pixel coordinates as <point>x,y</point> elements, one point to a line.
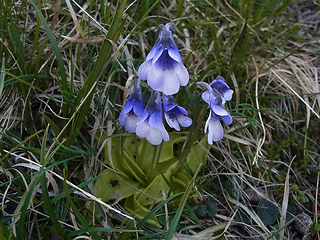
<point>201,211</point>
<point>303,223</point>
<point>253,196</point>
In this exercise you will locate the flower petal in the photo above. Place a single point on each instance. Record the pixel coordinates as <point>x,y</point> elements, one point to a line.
<point>174,53</point>
<point>168,107</point>
<point>155,78</point>
<point>144,116</point>
<point>131,123</point>
<point>182,74</point>
<point>152,52</point>
<point>218,110</point>
<point>159,52</point>
<point>182,110</point>
<point>207,122</point>
<point>142,129</point>
<point>156,135</point>
<point>153,135</point>
<point>170,84</point>
<point>172,122</point>
<point>215,130</point>
<point>227,119</point>
<point>184,121</point>
<point>206,85</point>
<point>168,103</point>
<point>219,84</point>
<point>228,95</point>
<point>165,62</point>
<point>164,81</point>
<point>206,96</point>
<point>164,134</point>
<point>155,119</point>
<point>122,118</point>
<point>144,69</point>
<point>128,106</point>
<point>138,108</point>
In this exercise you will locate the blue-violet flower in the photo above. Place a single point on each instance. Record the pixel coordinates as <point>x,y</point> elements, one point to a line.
<point>221,92</point>
<point>132,110</point>
<point>150,125</point>
<point>163,68</point>
<point>175,114</point>
<point>217,94</point>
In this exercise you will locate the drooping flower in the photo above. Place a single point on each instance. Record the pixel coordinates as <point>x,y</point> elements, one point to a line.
<point>132,110</point>
<point>215,128</point>
<point>221,92</point>
<point>217,94</point>
<point>163,68</point>
<point>150,125</point>
<point>174,114</point>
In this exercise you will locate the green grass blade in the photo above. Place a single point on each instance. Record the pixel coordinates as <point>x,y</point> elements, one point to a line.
<point>156,209</point>
<point>2,76</point>
<point>95,74</point>
<point>49,208</point>
<point>62,71</point>
<point>5,233</point>
<point>54,127</point>
<point>19,50</point>
<point>141,20</point>
<point>72,190</point>
<point>83,222</point>
<point>38,61</point>
<point>150,214</point>
<point>35,40</point>
<point>19,79</point>
<point>19,145</point>
<point>43,181</point>
<point>94,230</point>
<point>176,218</point>
<point>23,205</point>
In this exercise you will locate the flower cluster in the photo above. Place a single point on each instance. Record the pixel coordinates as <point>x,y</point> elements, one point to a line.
<point>216,95</point>
<point>164,72</point>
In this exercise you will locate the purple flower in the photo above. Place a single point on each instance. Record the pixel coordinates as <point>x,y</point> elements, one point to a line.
<point>175,114</point>
<point>217,94</point>
<point>215,128</point>
<point>150,124</point>
<point>132,110</point>
<point>163,68</point>
<point>221,92</point>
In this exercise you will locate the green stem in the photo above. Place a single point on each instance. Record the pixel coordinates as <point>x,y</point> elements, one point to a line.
<point>193,135</point>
